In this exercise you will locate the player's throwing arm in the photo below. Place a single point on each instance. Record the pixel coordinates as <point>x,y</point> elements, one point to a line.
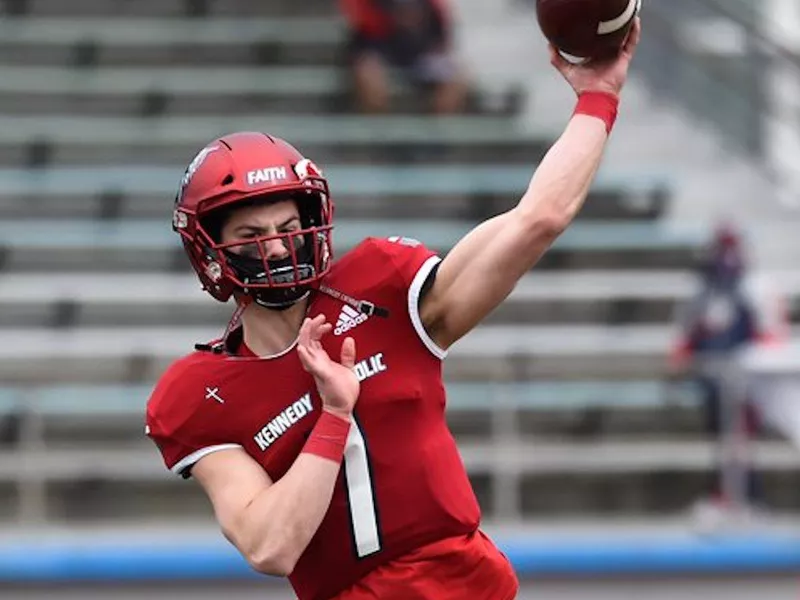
<point>483,268</point>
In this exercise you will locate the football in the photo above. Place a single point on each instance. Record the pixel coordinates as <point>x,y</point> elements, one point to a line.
<point>586,29</point>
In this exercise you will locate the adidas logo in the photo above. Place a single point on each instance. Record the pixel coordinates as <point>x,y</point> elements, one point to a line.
<point>349,318</point>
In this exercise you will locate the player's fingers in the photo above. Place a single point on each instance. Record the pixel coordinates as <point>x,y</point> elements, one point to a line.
<point>314,361</point>
<point>558,61</point>
<point>304,337</point>
<point>349,353</point>
<point>316,327</point>
<point>305,357</point>
<point>317,335</point>
<point>633,37</point>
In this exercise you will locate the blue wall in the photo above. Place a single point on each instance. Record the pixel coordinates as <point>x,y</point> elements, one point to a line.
<point>573,555</point>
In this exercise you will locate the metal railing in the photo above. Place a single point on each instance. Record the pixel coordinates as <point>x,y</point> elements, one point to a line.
<point>720,60</point>
<point>727,89</point>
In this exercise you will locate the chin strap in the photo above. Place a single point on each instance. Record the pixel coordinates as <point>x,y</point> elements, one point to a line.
<point>362,306</point>
<point>220,345</point>
<point>236,317</point>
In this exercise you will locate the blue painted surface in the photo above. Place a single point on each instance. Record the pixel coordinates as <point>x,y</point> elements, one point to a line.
<point>570,556</point>
<point>671,555</point>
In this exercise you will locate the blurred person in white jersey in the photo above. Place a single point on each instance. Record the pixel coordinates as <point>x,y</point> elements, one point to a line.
<point>730,312</point>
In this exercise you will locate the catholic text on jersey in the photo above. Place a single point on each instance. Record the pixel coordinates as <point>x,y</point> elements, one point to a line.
<point>369,367</point>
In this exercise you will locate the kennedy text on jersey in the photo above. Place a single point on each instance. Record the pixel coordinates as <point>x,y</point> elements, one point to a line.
<point>269,433</point>
<point>285,419</point>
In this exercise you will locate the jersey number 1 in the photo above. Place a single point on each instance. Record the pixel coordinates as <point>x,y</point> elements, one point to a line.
<point>363,517</point>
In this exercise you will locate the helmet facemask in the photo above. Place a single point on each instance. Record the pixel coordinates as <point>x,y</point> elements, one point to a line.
<point>273,283</point>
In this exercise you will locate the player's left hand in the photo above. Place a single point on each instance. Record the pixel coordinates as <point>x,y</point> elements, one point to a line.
<point>337,383</point>
<point>607,75</point>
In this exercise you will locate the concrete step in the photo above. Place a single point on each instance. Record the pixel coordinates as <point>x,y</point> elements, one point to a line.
<point>159,8</point>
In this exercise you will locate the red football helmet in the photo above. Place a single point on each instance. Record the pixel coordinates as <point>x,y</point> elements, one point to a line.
<point>236,170</point>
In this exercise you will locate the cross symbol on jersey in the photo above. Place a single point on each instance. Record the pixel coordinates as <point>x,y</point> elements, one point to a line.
<point>212,394</point>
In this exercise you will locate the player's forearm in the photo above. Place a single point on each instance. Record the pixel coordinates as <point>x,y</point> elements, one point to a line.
<point>560,185</point>
<point>280,522</point>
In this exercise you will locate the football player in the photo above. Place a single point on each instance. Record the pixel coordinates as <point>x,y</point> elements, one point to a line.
<point>341,473</point>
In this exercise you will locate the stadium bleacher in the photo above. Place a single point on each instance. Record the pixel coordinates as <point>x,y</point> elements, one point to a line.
<point>560,401</point>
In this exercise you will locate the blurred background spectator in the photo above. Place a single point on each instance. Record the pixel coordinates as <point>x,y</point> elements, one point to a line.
<point>724,317</point>
<point>412,37</point>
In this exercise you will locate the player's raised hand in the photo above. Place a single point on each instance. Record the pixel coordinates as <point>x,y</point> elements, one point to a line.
<point>607,75</point>
<point>336,382</point>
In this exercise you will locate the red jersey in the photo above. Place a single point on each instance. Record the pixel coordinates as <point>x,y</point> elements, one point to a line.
<point>403,485</point>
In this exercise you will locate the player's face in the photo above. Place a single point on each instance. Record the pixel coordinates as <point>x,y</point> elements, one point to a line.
<point>273,219</point>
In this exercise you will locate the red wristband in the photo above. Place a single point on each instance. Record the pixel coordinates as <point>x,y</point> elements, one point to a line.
<point>328,438</point>
<point>602,105</point>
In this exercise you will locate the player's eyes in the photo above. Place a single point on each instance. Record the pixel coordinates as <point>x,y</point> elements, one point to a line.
<point>296,240</point>
<point>249,250</point>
